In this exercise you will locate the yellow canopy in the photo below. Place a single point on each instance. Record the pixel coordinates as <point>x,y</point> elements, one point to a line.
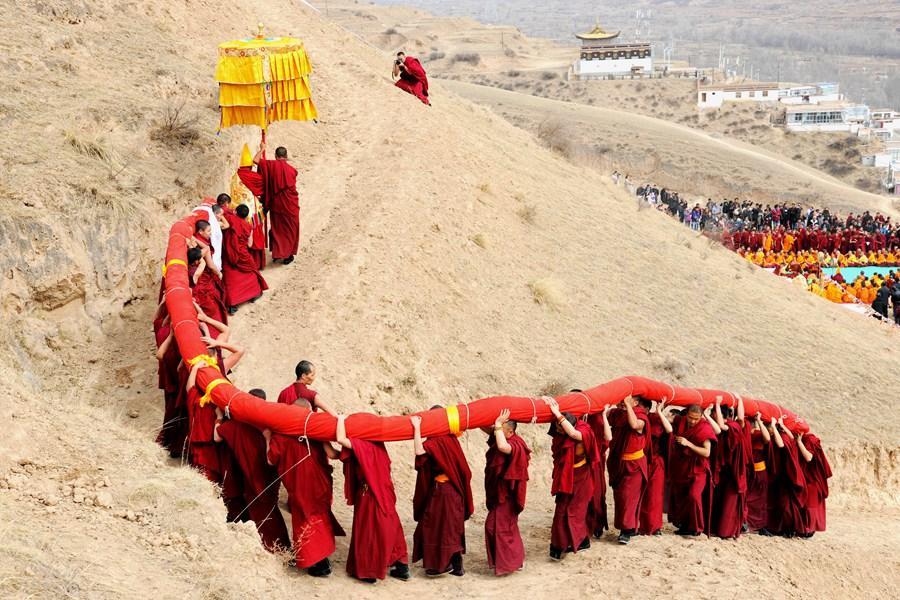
<point>263,80</point>
<point>597,33</point>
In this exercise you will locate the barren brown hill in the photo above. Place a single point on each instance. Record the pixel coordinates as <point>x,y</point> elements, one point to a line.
<point>429,235</point>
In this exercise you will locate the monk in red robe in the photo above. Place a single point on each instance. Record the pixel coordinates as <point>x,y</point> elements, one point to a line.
<point>168,357</point>
<point>377,543</point>
<point>575,464</point>
<point>282,203</point>
<point>733,456</point>
<point>628,471</point>
<point>758,479</point>
<point>248,446</point>
<point>442,502</point>
<point>412,76</point>
<point>598,520</point>
<point>206,287</point>
<point>816,471</point>
<point>300,393</point>
<point>505,485</point>
<point>652,504</point>
<point>253,181</point>
<point>689,469</point>
<point>787,484</point>
<point>303,467</point>
<point>242,279</point>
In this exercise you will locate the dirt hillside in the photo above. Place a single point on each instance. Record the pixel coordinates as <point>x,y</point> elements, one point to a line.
<point>446,256</point>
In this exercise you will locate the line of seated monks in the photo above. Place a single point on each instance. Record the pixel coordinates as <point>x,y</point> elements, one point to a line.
<point>714,472</point>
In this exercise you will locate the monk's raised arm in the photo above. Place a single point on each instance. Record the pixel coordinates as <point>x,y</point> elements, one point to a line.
<point>720,420</point>
<point>164,347</point>
<point>500,435</point>
<point>807,455</point>
<point>664,419</point>
<point>418,445</point>
<point>607,430</point>
<point>773,429</point>
<point>341,433</point>
<point>763,429</point>
<point>712,423</point>
<point>633,421</point>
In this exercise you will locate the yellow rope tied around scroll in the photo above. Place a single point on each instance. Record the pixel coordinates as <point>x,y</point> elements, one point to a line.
<point>174,261</point>
<point>207,395</point>
<point>453,419</point>
<point>209,360</point>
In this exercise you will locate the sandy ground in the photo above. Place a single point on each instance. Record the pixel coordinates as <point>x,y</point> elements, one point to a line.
<point>425,233</point>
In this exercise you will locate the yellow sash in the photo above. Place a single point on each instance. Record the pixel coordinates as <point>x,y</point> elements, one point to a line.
<point>759,466</point>
<point>633,455</point>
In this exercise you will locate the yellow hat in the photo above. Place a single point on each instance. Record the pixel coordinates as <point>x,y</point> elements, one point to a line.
<point>246,157</point>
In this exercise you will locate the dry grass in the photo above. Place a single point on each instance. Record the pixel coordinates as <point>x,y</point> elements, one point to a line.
<point>484,187</point>
<point>548,292</point>
<point>480,240</point>
<point>175,127</point>
<point>91,143</point>
<point>528,214</point>
<point>555,387</point>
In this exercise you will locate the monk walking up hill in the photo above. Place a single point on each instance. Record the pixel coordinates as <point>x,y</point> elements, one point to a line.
<point>505,485</point>
<point>412,77</point>
<point>243,281</point>
<point>598,520</point>
<point>655,490</point>
<point>733,456</point>
<point>628,465</point>
<point>787,484</point>
<point>282,203</point>
<point>575,462</point>
<point>757,506</point>
<point>817,471</point>
<point>300,393</point>
<point>442,502</point>
<point>377,542</point>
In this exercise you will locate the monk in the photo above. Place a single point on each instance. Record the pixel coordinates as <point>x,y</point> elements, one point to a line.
<point>598,520</point>
<point>787,484</point>
<point>733,455</point>
<point>816,471</point>
<point>575,462</point>
<point>505,484</point>
<point>758,479</point>
<point>412,77</point>
<point>169,358</point>
<point>652,504</point>
<point>377,543</point>
<point>281,202</point>
<point>442,502</point>
<point>300,393</point>
<point>260,481</point>
<point>206,287</point>
<point>689,469</point>
<point>243,281</point>
<point>253,182</point>
<point>303,467</point>
<point>628,472</point>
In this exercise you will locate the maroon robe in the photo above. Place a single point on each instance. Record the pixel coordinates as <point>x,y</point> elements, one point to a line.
<point>628,476</point>
<point>240,274</point>
<point>817,472</point>
<point>787,489</point>
<point>298,393</point>
<point>598,520</point>
<point>306,475</point>
<point>248,446</point>
<point>209,294</point>
<point>254,182</point>
<point>758,484</point>
<point>573,487</point>
<point>733,455</point>
<point>377,540</point>
<point>283,205</point>
<point>689,476</point>
<point>169,436</point>
<point>651,519</point>
<point>442,503</point>
<point>414,80</point>
<point>505,485</point>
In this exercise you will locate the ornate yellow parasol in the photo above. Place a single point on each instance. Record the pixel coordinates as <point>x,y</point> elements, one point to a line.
<point>263,80</point>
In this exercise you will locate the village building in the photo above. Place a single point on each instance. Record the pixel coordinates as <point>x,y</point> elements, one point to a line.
<point>826,116</point>
<point>884,124</point>
<point>604,57</point>
<point>715,94</point>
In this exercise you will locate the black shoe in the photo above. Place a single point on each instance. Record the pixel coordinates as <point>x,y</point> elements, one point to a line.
<point>555,553</point>
<point>623,538</point>
<point>232,310</point>
<point>320,569</point>
<point>687,532</point>
<point>400,571</point>
<point>252,300</point>
<point>765,532</point>
<point>287,261</point>
<point>437,573</point>
<point>368,579</point>
<point>598,533</point>
<point>744,528</point>
<point>657,532</point>
<point>585,544</point>
<point>456,565</point>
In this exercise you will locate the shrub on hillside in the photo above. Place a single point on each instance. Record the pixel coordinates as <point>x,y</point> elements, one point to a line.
<point>548,75</point>
<point>174,127</point>
<point>436,56</point>
<point>472,58</point>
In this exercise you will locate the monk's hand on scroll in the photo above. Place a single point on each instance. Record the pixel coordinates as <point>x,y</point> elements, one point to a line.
<point>416,421</point>
<point>718,400</point>
<point>501,419</point>
<point>554,406</point>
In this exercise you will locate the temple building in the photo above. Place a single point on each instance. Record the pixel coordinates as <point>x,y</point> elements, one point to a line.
<point>605,57</point>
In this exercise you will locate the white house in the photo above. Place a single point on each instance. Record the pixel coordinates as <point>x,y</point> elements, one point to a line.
<point>603,58</point>
<point>714,94</point>
<point>826,116</point>
<point>884,124</point>
<point>810,94</point>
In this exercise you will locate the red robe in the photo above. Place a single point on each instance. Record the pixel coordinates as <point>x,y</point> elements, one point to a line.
<point>628,476</point>
<point>758,484</point>
<point>505,484</point>
<point>169,436</point>
<point>732,457</point>
<point>377,540</point>
<point>598,520</point>
<point>689,476</point>
<point>298,393</point>
<point>254,182</point>
<point>306,476</point>
<point>240,274</point>
<point>573,487</point>
<point>441,507</point>
<point>209,294</point>
<point>260,485</point>
<point>817,472</point>
<point>651,519</point>
<point>787,489</point>
<point>414,80</point>
<point>283,205</point>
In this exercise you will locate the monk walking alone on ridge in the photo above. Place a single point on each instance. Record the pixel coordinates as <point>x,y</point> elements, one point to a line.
<point>505,485</point>
<point>376,542</point>
<point>575,461</point>
<point>282,203</point>
<point>442,502</point>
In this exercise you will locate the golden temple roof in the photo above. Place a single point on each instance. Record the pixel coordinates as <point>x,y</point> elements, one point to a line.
<point>598,33</point>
